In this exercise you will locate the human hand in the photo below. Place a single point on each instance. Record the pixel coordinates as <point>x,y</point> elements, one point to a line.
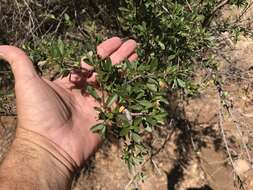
<point>59,110</point>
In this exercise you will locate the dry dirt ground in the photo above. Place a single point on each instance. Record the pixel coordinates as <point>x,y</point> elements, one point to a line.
<point>189,154</point>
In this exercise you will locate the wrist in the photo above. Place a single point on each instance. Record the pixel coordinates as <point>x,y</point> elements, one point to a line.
<point>41,163</point>
<point>46,147</point>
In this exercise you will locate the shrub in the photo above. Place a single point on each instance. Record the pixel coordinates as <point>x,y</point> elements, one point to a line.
<point>174,40</point>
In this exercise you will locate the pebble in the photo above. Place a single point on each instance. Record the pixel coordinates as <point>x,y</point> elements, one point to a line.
<point>242,166</point>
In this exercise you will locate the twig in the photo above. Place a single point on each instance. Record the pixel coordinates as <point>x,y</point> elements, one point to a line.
<point>128,115</point>
<point>221,116</point>
<point>209,17</point>
<point>74,37</point>
<point>243,13</point>
<point>156,167</point>
<point>58,25</point>
<point>138,77</point>
<point>8,115</point>
<point>60,21</point>
<point>236,124</point>
<point>219,6</point>
<point>5,72</point>
<point>189,6</point>
<point>32,18</point>
<point>221,120</point>
<point>241,135</point>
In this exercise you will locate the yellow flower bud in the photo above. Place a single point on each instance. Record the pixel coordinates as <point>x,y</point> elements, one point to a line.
<point>121,109</point>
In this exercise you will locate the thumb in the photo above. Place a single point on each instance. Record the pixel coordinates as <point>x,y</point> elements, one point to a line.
<point>21,65</point>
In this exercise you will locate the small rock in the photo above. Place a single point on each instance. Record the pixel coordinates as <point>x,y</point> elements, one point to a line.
<point>243,138</point>
<point>242,166</point>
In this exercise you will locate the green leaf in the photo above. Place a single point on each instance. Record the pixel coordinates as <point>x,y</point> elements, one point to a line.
<point>137,121</point>
<point>162,45</point>
<point>181,83</point>
<point>171,57</point>
<point>154,64</point>
<point>103,116</point>
<point>55,52</point>
<point>151,121</point>
<point>124,131</point>
<point>110,100</point>
<point>136,107</point>
<point>61,47</point>
<point>152,87</point>
<point>146,103</point>
<point>107,65</point>
<point>98,128</point>
<point>152,81</point>
<point>160,118</point>
<point>103,131</point>
<point>140,95</point>
<point>148,129</point>
<point>161,99</point>
<point>92,91</point>
<point>51,16</point>
<point>136,138</point>
<point>66,17</point>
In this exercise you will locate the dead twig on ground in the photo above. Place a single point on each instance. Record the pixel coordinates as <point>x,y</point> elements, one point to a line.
<point>223,105</point>
<point>244,11</point>
<point>219,6</point>
<point>238,128</point>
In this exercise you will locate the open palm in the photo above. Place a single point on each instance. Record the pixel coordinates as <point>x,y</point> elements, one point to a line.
<point>59,110</point>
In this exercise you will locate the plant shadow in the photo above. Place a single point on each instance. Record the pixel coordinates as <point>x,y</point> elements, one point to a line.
<point>190,140</point>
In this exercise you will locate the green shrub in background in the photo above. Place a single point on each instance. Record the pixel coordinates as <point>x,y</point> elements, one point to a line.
<point>174,40</point>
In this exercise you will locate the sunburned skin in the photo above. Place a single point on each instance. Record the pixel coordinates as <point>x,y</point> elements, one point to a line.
<point>53,137</point>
